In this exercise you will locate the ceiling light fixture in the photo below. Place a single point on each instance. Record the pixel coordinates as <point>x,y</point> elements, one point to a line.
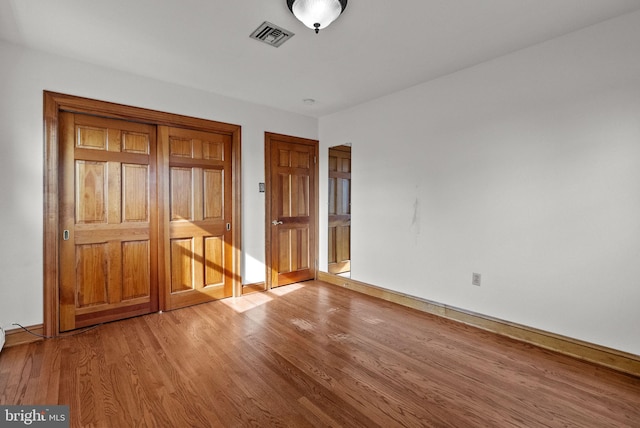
<point>317,14</point>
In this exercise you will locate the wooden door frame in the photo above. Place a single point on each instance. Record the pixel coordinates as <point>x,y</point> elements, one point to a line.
<point>268,137</point>
<point>54,103</point>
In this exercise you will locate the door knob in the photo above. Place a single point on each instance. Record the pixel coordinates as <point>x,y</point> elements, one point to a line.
<point>276,222</point>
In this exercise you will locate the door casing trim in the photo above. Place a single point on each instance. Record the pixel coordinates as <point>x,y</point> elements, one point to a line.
<point>53,104</point>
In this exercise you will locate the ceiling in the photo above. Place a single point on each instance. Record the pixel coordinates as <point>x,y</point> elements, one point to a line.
<point>375,48</point>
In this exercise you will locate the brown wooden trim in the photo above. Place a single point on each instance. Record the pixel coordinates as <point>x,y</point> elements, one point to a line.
<point>236,200</point>
<point>607,357</point>
<point>342,148</point>
<point>136,114</point>
<point>54,103</point>
<point>254,288</point>
<point>51,229</point>
<point>18,336</point>
<point>317,209</point>
<point>268,136</point>
<point>164,272</point>
<point>267,208</point>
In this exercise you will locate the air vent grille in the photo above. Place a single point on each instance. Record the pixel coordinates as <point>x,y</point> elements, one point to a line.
<point>271,34</point>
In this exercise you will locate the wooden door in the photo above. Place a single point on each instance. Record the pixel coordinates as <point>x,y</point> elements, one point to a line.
<point>339,240</point>
<point>198,248</point>
<point>108,218</point>
<point>291,165</point>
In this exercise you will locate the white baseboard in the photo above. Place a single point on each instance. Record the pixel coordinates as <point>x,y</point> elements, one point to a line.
<point>1,338</point>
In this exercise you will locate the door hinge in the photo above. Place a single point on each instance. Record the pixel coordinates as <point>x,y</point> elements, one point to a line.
<point>314,159</point>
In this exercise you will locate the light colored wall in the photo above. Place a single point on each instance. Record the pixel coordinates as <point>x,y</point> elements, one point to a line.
<point>525,169</point>
<point>24,74</point>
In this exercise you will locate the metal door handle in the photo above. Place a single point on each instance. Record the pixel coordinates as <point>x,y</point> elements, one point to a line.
<point>276,222</point>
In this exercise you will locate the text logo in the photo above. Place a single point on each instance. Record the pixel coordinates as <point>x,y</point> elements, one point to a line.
<point>34,416</point>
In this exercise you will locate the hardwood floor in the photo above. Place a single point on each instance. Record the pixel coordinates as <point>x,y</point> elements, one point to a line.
<point>311,354</point>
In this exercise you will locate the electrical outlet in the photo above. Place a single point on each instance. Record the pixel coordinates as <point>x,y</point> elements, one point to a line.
<point>475,279</point>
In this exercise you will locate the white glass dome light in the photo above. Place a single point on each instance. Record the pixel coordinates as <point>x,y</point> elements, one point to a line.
<point>317,14</point>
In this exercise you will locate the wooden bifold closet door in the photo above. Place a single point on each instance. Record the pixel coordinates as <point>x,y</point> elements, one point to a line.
<point>145,213</point>
<point>108,218</point>
<point>198,216</point>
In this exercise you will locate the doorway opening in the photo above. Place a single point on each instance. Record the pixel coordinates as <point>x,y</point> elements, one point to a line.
<point>339,195</point>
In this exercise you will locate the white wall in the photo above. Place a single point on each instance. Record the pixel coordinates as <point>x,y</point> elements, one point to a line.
<point>525,169</point>
<point>24,74</point>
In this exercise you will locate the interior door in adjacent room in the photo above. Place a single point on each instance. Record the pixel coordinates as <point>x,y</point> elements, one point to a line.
<point>108,219</point>
<point>339,195</point>
<point>291,205</point>
<point>198,248</point>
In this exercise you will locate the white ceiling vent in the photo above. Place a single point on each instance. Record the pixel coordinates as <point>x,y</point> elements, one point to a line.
<point>271,34</point>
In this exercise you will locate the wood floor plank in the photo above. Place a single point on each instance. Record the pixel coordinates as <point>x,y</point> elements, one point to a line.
<point>307,355</point>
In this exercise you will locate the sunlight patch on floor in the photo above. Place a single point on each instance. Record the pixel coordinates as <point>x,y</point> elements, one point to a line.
<point>253,300</point>
<point>248,302</point>
<point>286,289</point>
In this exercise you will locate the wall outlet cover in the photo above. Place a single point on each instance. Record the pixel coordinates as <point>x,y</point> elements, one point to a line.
<point>475,279</point>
